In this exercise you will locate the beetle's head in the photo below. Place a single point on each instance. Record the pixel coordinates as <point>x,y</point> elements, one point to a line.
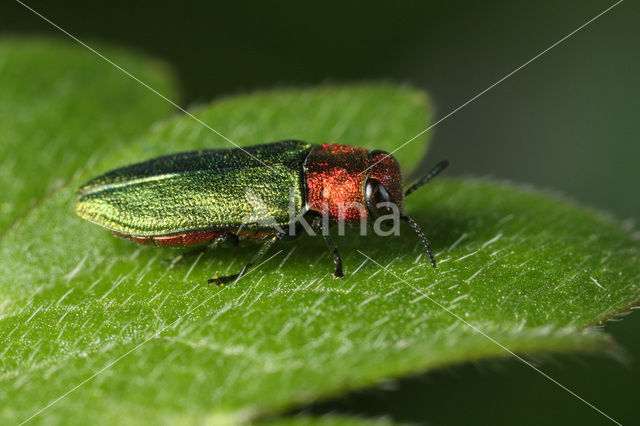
<point>383,184</point>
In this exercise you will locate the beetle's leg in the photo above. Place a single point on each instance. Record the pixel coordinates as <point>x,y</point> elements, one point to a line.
<point>225,240</point>
<point>256,258</point>
<point>337,260</point>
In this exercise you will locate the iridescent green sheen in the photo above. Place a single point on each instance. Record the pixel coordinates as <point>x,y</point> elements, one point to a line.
<point>196,190</point>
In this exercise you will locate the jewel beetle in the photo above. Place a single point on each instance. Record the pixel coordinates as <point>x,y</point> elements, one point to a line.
<point>200,198</point>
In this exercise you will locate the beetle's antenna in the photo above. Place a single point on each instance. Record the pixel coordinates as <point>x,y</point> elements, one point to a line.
<point>423,237</point>
<point>433,173</point>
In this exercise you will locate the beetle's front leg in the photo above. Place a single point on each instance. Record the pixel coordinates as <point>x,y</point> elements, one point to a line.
<point>337,259</point>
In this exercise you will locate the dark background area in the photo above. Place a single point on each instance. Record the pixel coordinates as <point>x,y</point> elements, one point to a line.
<point>567,122</point>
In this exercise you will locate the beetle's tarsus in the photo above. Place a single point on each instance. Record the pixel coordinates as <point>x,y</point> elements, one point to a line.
<point>337,260</point>
<point>220,281</point>
<point>337,272</point>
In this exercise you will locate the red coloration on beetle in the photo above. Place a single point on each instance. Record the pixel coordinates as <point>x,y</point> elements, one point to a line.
<point>386,170</point>
<point>188,239</point>
<point>142,240</point>
<point>335,184</point>
<point>179,240</point>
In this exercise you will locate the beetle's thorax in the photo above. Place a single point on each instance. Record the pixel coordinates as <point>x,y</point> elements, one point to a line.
<point>336,176</point>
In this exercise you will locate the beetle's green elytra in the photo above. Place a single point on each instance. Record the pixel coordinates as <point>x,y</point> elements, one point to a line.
<point>194,191</point>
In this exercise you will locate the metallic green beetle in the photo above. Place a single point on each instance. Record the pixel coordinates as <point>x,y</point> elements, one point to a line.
<point>205,196</point>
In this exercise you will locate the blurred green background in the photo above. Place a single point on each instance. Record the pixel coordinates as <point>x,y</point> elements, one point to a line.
<point>566,122</point>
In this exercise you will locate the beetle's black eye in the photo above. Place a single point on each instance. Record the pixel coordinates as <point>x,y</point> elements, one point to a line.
<point>374,194</point>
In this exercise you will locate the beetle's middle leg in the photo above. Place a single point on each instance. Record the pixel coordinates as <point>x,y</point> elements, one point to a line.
<point>337,259</point>
<point>255,259</point>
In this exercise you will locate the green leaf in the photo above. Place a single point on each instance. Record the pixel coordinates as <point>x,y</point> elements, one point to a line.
<point>146,343</point>
<point>62,107</point>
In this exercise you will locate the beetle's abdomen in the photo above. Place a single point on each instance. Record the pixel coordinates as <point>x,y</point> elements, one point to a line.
<point>179,240</point>
<point>195,238</point>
